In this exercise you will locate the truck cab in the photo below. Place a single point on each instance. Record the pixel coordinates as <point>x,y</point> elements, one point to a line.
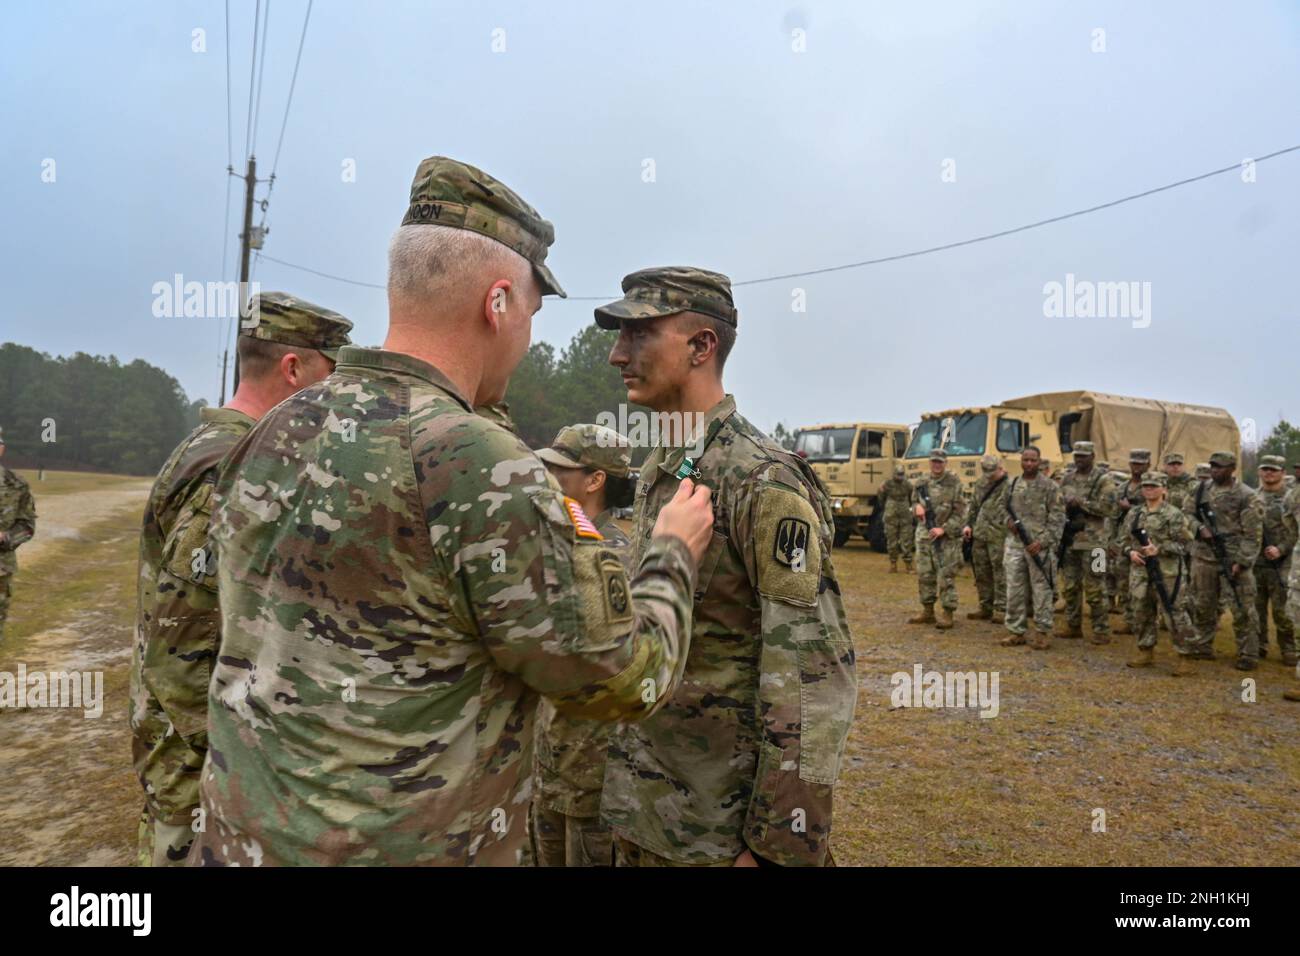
<point>968,434</point>
<point>852,460</point>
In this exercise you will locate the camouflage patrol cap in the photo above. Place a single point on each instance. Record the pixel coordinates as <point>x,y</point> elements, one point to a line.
<point>1084,448</point>
<point>446,192</point>
<point>1223,458</point>
<point>938,455</point>
<point>899,471</point>
<point>289,320</point>
<point>1104,465</point>
<point>1156,478</point>
<point>1203,470</point>
<point>590,446</point>
<point>667,290</point>
<point>1272,461</point>
<point>989,464</point>
<point>1139,454</point>
<point>1174,458</point>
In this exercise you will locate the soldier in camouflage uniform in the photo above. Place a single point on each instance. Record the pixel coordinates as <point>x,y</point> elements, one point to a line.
<point>740,767</point>
<point>593,466</point>
<point>1036,501</point>
<point>288,344</point>
<point>400,577</point>
<point>1089,507</point>
<point>938,549</point>
<point>1128,496</point>
<point>1273,567</point>
<point>1238,516</point>
<point>1168,535</point>
<point>1291,505</point>
<point>17,527</point>
<point>986,530</point>
<point>895,496</point>
<point>1178,483</point>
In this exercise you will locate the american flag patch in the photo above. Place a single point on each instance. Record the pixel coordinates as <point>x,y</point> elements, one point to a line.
<point>581,523</point>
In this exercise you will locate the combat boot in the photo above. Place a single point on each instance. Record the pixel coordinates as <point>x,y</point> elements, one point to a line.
<point>1246,664</point>
<point>1123,628</point>
<point>983,614</point>
<point>1070,632</point>
<point>893,565</point>
<point>1291,693</point>
<point>945,619</point>
<point>1012,640</point>
<point>910,569</point>
<point>1146,656</point>
<point>1099,637</point>
<point>1184,667</point>
<point>1042,640</point>
<point>925,617</point>
<point>1289,658</point>
<point>998,618</point>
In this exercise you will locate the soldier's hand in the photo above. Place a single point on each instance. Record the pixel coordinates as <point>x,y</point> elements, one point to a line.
<point>966,533</point>
<point>745,859</point>
<point>1124,504</point>
<point>936,534</point>
<point>919,512</point>
<point>1236,570</point>
<point>1272,552</point>
<point>1206,534</point>
<point>1034,547</point>
<point>688,516</point>
<point>1150,551</point>
<point>1136,558</point>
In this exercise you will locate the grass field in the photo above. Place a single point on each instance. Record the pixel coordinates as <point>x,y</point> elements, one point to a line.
<point>1185,770</point>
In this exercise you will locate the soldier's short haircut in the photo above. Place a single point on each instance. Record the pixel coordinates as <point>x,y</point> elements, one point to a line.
<point>725,331</point>
<point>258,357</point>
<point>1034,448</point>
<point>425,261</point>
<point>619,492</point>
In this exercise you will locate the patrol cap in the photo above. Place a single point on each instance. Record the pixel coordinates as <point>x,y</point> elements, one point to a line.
<point>1272,461</point>
<point>899,471</point>
<point>1174,458</point>
<point>1203,470</point>
<point>446,192</point>
<point>1104,465</point>
<point>590,446</point>
<point>1223,458</point>
<point>667,290</point>
<point>288,320</point>
<point>1084,448</point>
<point>938,455</point>
<point>1156,478</point>
<point>1139,454</point>
<point>989,464</point>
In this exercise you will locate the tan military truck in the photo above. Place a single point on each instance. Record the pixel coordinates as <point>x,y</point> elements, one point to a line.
<point>1055,420</point>
<point>852,460</point>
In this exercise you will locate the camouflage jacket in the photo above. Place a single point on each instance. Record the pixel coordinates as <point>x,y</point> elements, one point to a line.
<point>399,578</point>
<point>947,500</point>
<point>1126,490</point>
<point>17,517</point>
<point>895,495</point>
<point>177,621</point>
<point>1179,489</point>
<point>1291,518</point>
<point>571,753</point>
<point>987,517</point>
<point>1093,522</point>
<point>748,750</point>
<point>1239,516</point>
<point>1276,531</point>
<point>1041,509</point>
<point>1168,530</point>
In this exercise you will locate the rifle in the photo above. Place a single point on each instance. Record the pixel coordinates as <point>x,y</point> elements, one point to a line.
<point>930,524</point>
<point>1154,574</point>
<point>1206,514</point>
<point>1023,534</point>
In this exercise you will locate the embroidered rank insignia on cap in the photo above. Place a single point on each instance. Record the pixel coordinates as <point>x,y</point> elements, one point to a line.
<point>581,523</point>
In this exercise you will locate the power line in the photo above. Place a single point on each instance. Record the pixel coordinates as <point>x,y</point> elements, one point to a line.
<point>893,258</point>
<point>275,163</point>
<point>230,146</point>
<point>252,75</point>
<point>261,72</point>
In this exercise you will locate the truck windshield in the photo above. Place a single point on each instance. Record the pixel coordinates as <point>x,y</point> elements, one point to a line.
<point>957,435</point>
<point>827,444</point>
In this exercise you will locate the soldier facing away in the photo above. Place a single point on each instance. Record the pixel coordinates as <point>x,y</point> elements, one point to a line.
<point>284,345</point>
<point>938,540</point>
<point>592,465</point>
<point>1089,506</point>
<point>1273,566</point>
<point>895,496</point>
<point>400,577</point>
<point>1226,509</point>
<point>1161,558</point>
<point>986,530</point>
<point>739,768</point>
<point>17,527</point>
<point>1034,501</point>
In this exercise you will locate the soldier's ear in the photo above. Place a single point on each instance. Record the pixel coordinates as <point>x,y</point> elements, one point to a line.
<point>704,344</point>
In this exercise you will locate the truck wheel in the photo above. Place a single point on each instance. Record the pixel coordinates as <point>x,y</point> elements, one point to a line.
<point>841,536</point>
<point>875,533</point>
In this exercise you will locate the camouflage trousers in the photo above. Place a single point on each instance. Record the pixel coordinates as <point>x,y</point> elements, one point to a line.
<point>936,573</point>
<point>1025,583</point>
<point>162,844</point>
<point>1081,580</point>
<point>1147,608</point>
<point>5,594</point>
<point>1209,589</point>
<point>629,854</point>
<point>1271,589</point>
<point>899,534</point>
<point>562,840</point>
<point>1121,591</point>
<point>990,576</point>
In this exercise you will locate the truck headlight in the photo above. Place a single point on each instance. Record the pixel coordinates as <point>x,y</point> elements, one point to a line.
<point>837,504</point>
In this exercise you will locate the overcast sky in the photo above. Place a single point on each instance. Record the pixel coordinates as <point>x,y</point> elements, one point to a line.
<point>766,160</point>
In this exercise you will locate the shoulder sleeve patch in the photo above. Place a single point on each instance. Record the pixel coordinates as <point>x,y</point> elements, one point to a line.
<point>787,547</point>
<point>582,525</point>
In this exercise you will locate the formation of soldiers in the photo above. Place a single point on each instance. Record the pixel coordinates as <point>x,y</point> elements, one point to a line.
<point>375,628</point>
<point>1151,546</point>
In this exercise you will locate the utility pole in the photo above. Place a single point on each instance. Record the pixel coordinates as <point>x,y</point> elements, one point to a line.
<point>245,247</point>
